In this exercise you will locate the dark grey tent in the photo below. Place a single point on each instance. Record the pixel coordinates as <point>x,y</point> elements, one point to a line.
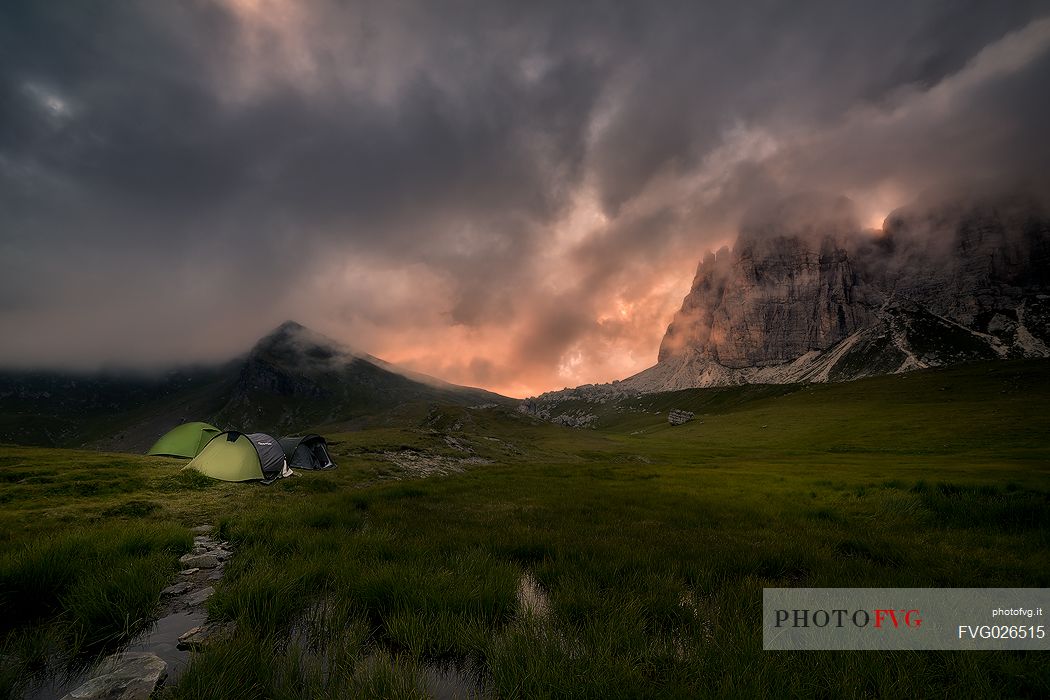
<point>307,452</point>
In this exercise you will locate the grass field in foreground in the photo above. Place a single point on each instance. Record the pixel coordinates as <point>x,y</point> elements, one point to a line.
<point>645,547</point>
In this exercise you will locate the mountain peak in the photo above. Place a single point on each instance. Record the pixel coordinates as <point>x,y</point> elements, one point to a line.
<point>284,332</point>
<point>290,326</point>
<point>294,340</point>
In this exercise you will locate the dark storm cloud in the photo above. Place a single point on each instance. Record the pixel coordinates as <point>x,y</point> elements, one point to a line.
<point>513,194</point>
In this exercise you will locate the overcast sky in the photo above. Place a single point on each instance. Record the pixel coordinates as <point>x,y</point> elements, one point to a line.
<point>512,195</point>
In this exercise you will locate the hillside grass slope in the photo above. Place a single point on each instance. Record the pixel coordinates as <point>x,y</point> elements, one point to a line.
<point>532,560</point>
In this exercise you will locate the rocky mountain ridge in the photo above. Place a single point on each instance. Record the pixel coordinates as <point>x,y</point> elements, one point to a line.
<point>808,296</point>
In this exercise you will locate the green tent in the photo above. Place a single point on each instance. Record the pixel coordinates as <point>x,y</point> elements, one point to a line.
<point>186,440</point>
<point>233,456</point>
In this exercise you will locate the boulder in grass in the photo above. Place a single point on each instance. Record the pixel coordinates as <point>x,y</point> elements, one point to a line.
<point>677,417</point>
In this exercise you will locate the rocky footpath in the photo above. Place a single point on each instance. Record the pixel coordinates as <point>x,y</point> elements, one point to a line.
<point>201,568</point>
<point>135,674</point>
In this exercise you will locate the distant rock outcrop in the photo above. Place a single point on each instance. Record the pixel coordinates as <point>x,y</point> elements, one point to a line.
<point>577,419</point>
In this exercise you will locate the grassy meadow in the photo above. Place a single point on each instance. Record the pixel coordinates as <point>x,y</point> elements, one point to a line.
<point>532,560</point>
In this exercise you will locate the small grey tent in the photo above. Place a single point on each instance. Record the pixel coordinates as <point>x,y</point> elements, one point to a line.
<point>307,452</point>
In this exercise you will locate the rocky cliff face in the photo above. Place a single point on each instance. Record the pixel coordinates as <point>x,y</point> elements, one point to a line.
<point>825,302</point>
<point>983,266</point>
<point>770,301</point>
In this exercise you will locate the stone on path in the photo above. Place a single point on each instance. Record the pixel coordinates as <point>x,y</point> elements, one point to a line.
<point>197,637</point>
<point>132,675</point>
<point>202,529</point>
<point>200,596</point>
<point>176,589</point>
<point>201,561</point>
